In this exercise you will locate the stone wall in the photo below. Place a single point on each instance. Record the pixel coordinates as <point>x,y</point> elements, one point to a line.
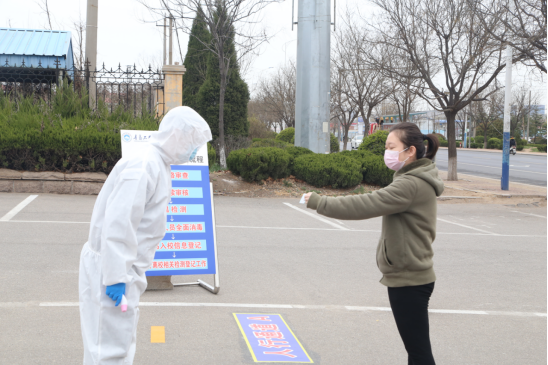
<point>50,182</point>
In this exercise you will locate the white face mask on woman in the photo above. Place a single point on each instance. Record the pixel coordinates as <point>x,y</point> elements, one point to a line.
<point>392,159</point>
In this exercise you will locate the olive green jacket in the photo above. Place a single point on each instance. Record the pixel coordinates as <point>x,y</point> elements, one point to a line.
<point>409,210</point>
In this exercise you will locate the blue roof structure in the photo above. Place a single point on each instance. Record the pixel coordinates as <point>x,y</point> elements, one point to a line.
<point>36,47</point>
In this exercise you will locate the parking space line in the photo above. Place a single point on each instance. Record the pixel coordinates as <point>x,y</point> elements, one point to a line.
<point>328,229</point>
<point>462,225</point>
<point>157,334</point>
<point>315,216</point>
<point>534,215</point>
<point>292,306</point>
<point>43,222</point>
<point>19,207</point>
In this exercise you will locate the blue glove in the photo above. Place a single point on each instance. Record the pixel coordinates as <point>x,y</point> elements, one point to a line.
<point>116,291</point>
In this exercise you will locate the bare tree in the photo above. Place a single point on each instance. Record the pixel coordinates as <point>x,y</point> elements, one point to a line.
<point>277,94</point>
<point>228,21</point>
<point>258,109</point>
<point>43,4</point>
<point>343,109</point>
<point>443,38</point>
<point>79,37</point>
<point>404,83</point>
<point>484,113</point>
<point>365,84</point>
<point>520,107</point>
<point>523,27</point>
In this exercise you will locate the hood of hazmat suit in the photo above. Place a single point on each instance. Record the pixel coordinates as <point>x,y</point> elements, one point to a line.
<point>127,223</point>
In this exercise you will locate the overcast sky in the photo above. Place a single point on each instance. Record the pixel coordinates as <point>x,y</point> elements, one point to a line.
<point>128,35</point>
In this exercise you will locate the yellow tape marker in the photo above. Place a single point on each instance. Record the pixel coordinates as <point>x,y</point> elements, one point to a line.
<point>157,334</point>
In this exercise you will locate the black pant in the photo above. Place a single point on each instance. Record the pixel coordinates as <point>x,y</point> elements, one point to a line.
<point>410,307</point>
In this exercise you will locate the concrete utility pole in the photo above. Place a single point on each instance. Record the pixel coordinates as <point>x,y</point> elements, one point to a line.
<point>171,41</point>
<point>165,40</point>
<point>313,75</point>
<point>91,47</point>
<point>528,114</point>
<point>505,180</point>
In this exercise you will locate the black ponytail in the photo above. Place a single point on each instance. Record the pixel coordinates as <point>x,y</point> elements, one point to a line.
<point>411,135</point>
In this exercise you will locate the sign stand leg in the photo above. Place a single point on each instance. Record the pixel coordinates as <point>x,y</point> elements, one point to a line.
<point>216,286</point>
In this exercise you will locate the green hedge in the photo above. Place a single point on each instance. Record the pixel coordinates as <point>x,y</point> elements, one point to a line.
<point>334,170</point>
<point>494,143</point>
<point>444,143</point>
<point>257,164</point>
<point>479,140</point>
<point>287,135</point>
<point>65,135</point>
<point>211,154</point>
<point>375,143</point>
<point>339,170</point>
<point>373,168</point>
<point>334,145</point>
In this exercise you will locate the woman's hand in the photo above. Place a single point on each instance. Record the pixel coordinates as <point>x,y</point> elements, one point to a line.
<point>306,197</point>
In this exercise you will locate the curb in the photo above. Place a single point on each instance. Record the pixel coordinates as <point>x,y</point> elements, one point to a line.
<point>51,187</point>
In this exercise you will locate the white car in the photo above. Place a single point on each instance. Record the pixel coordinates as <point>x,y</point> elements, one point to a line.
<point>356,141</point>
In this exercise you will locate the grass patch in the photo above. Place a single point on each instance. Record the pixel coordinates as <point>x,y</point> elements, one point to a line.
<point>358,190</point>
<point>288,183</point>
<point>216,168</point>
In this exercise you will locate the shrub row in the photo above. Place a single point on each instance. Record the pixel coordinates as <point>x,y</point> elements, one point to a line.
<point>334,170</point>
<point>63,135</point>
<point>339,170</point>
<point>374,143</point>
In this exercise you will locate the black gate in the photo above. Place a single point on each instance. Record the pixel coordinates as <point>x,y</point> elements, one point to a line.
<point>129,90</point>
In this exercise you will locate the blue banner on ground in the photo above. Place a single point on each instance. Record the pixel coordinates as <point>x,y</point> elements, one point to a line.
<point>270,339</point>
<point>188,247</point>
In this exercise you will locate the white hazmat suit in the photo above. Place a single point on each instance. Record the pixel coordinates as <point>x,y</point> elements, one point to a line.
<point>127,224</point>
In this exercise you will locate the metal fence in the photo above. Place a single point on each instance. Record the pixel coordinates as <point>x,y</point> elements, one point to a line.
<point>129,90</point>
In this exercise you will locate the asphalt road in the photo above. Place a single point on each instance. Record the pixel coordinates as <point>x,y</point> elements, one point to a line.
<point>526,169</point>
<point>488,306</point>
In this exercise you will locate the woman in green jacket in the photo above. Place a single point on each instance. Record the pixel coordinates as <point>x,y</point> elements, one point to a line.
<point>404,253</point>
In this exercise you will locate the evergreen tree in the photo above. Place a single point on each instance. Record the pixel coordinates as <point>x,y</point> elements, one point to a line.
<point>196,59</point>
<point>236,96</point>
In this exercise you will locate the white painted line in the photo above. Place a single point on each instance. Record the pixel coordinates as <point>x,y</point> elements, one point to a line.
<point>315,216</point>
<point>284,228</point>
<point>500,168</point>
<point>364,309</point>
<point>289,306</point>
<point>19,207</point>
<point>327,229</point>
<point>59,304</point>
<point>44,222</point>
<point>227,305</point>
<point>534,215</point>
<point>454,311</point>
<point>462,225</point>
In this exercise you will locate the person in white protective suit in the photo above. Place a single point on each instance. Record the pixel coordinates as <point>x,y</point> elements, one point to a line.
<point>127,224</point>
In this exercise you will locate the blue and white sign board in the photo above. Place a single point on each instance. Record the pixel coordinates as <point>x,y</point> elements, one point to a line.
<point>188,247</point>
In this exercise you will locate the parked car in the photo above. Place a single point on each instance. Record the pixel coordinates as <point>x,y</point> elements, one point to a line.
<point>356,141</point>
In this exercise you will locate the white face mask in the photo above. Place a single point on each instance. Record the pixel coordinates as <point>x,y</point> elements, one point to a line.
<point>392,159</point>
<point>194,154</point>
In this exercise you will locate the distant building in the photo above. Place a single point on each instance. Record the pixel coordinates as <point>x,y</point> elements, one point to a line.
<point>35,55</point>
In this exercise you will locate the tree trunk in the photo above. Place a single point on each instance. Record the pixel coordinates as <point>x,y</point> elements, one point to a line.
<point>345,137</point>
<point>222,155</point>
<point>452,148</point>
<point>365,122</point>
<point>485,136</point>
